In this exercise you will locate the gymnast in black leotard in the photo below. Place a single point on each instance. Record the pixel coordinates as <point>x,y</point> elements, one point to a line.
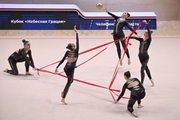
<point>72,56</point>
<point>143,53</point>
<point>118,33</point>
<point>137,92</point>
<point>21,55</point>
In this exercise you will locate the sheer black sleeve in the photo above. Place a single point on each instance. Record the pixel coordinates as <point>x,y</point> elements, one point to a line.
<point>136,38</point>
<point>127,24</point>
<point>114,16</point>
<point>66,54</point>
<point>77,43</point>
<point>123,91</point>
<point>30,60</point>
<point>149,32</point>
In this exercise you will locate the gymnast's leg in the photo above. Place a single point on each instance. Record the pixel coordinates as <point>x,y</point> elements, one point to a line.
<point>13,65</point>
<point>70,75</point>
<point>130,106</point>
<point>116,41</point>
<point>144,66</point>
<point>123,42</point>
<point>149,75</point>
<point>144,62</point>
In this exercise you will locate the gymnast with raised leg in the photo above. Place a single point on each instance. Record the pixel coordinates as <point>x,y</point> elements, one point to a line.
<point>137,92</point>
<point>143,52</point>
<point>21,55</point>
<point>72,57</point>
<point>118,33</point>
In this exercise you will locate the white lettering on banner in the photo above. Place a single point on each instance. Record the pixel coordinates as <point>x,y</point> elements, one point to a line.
<point>105,24</point>
<point>38,21</point>
<point>56,21</point>
<point>133,24</point>
<point>17,21</point>
<point>112,24</point>
<point>35,21</point>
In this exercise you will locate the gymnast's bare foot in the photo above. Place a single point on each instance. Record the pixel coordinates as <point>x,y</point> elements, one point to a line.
<point>62,94</point>
<point>152,82</point>
<point>140,106</point>
<point>63,101</point>
<point>28,73</point>
<point>129,61</point>
<point>135,114</point>
<point>6,70</point>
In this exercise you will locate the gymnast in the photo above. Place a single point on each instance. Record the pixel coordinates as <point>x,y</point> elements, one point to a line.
<point>137,92</point>
<point>118,33</point>
<point>72,57</point>
<point>143,52</point>
<point>21,55</point>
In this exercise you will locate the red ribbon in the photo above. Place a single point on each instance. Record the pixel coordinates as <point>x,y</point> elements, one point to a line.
<point>112,96</point>
<point>90,58</point>
<point>127,43</point>
<point>86,51</point>
<point>115,72</point>
<point>117,69</point>
<point>114,75</point>
<point>80,81</point>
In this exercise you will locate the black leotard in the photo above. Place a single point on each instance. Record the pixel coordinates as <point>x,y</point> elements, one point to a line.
<point>70,66</point>
<point>144,45</point>
<point>118,26</point>
<point>143,54</point>
<point>21,56</point>
<point>135,87</point>
<point>70,53</point>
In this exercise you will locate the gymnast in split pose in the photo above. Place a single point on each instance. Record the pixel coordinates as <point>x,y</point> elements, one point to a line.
<point>137,92</point>
<point>72,57</point>
<point>118,33</point>
<point>21,55</point>
<point>143,52</point>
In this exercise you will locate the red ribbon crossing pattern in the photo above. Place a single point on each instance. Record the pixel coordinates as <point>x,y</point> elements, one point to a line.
<point>127,43</point>
<point>112,91</point>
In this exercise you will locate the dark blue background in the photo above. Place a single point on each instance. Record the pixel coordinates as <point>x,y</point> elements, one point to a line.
<point>71,18</point>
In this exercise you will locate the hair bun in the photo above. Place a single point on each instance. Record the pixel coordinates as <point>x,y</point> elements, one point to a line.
<point>23,40</point>
<point>128,14</point>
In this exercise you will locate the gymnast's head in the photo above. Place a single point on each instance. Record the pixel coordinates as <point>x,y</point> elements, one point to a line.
<point>146,35</point>
<point>71,46</point>
<point>127,75</point>
<point>125,15</point>
<point>26,44</point>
